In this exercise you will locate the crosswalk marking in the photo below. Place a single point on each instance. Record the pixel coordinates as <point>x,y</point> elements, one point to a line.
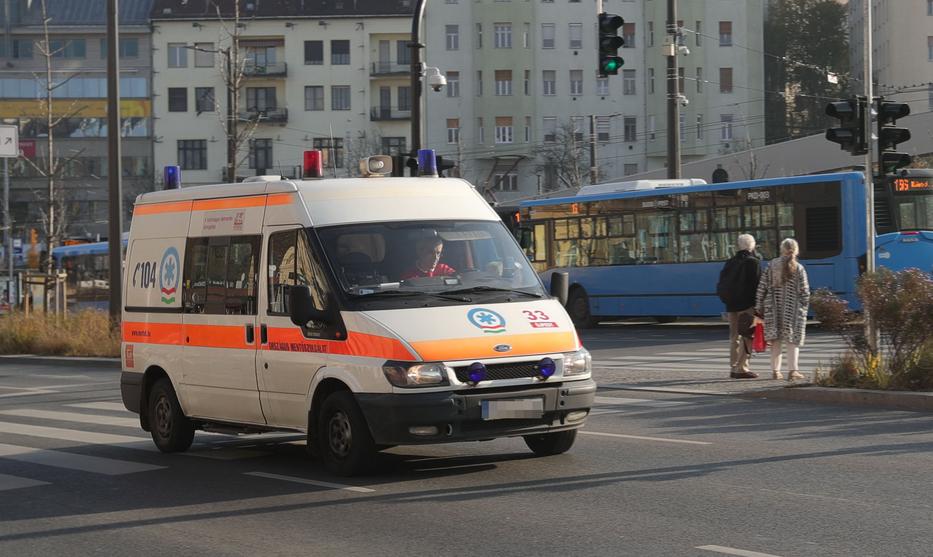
<point>15,482</point>
<point>109,406</point>
<point>76,417</point>
<point>644,438</point>
<point>615,401</point>
<point>71,461</point>
<point>88,437</point>
<point>310,482</point>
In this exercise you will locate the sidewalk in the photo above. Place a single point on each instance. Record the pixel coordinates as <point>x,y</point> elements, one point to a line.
<point>695,381</point>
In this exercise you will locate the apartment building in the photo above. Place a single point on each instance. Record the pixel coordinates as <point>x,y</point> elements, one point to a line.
<point>902,49</point>
<point>77,41</point>
<point>323,74</point>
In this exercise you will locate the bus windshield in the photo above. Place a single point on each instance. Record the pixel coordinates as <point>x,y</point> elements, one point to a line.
<point>453,261</point>
<point>914,212</point>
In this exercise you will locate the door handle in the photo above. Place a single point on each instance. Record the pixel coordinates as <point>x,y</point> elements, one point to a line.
<point>250,334</point>
<point>263,334</point>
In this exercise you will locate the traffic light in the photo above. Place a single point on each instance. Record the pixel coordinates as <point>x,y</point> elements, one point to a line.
<point>851,134</point>
<point>609,44</point>
<point>444,166</point>
<point>889,136</point>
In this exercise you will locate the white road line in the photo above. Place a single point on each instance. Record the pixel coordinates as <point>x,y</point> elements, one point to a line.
<point>15,482</point>
<point>225,453</point>
<point>311,482</point>
<point>74,435</point>
<point>734,551</point>
<point>76,417</point>
<point>616,401</point>
<point>643,438</point>
<point>109,406</point>
<point>71,461</point>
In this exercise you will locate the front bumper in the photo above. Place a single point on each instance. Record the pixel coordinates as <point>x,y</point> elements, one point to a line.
<point>458,416</point>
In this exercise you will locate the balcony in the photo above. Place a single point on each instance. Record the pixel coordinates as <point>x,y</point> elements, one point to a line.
<point>384,113</point>
<point>266,115</point>
<point>254,69</point>
<point>382,68</point>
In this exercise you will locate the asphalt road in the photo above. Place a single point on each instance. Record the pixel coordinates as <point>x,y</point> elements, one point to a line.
<point>652,474</point>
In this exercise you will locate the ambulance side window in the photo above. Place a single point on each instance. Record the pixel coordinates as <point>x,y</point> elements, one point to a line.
<point>292,263</point>
<point>220,275</point>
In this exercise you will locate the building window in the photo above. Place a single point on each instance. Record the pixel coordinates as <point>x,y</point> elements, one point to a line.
<point>699,126</point>
<point>725,80</point>
<point>178,99</point>
<point>394,145</point>
<point>930,93</point>
<point>602,85</point>
<point>549,82</point>
<point>480,131</point>
<point>453,84</point>
<point>576,35</point>
<point>503,129</point>
<point>21,49</point>
<point>527,129</point>
<point>526,35</point>
<point>929,7</point>
<point>683,127</point>
<point>203,55</point>
<point>652,126</point>
<point>314,97</point>
<point>404,98</point>
<point>628,35</point>
<point>603,128</point>
<point>503,35</point>
<point>930,49</point>
<point>699,79</point>
<point>260,99</point>
<point>340,52</point>
<point>505,182</point>
<point>576,123</point>
<point>68,48</point>
<point>314,53</point>
<point>725,33</point>
<point>453,130</point>
<point>549,126</point>
<point>177,55</point>
<point>479,83</point>
<point>452,33</point>
<point>527,82</point>
<point>650,33</point>
<point>650,81</point>
<point>629,129</point>
<point>204,99</point>
<point>725,132</point>
<point>628,82</point>
<point>630,168</point>
<point>503,82</point>
<point>260,154</point>
<point>192,154</point>
<point>129,48</point>
<point>547,35</point>
<point>402,53</point>
<point>340,97</point>
<point>479,35</point>
<point>698,27</point>
<point>331,151</point>
<point>576,82</point>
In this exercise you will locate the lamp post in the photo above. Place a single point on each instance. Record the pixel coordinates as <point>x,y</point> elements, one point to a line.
<point>115,190</point>
<point>416,70</point>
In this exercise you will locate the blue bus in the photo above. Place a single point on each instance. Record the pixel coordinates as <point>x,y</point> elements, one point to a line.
<point>88,269</point>
<point>655,248</point>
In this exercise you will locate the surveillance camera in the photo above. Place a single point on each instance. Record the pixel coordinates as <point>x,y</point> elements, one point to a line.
<point>436,79</point>
<point>683,50</point>
<point>684,101</point>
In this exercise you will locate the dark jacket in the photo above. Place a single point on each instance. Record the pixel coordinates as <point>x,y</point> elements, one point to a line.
<point>748,272</point>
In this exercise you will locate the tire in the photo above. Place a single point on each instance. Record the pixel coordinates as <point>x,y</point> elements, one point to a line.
<point>344,443</point>
<point>665,318</point>
<point>547,444</point>
<point>578,306</point>
<point>171,431</point>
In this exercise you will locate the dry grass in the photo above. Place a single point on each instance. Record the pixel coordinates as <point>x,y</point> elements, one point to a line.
<point>85,333</point>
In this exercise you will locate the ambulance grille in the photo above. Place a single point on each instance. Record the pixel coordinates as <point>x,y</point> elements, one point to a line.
<point>497,372</point>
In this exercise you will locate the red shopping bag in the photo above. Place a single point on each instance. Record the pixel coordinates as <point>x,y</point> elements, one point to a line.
<point>758,341</point>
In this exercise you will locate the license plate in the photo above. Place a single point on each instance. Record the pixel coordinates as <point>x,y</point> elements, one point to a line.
<point>520,408</point>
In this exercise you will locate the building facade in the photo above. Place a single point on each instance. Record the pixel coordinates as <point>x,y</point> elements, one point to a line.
<point>77,45</point>
<point>309,73</point>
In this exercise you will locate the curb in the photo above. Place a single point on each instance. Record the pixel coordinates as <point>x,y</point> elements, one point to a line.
<point>898,400</point>
<point>59,360</point>
<point>760,391</point>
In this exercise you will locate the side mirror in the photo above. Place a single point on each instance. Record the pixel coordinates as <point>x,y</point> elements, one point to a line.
<point>301,306</point>
<point>560,287</point>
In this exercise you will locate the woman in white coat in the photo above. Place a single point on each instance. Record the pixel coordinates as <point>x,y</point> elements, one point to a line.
<point>783,299</point>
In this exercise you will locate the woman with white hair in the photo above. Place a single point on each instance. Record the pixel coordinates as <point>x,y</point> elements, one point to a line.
<point>783,299</point>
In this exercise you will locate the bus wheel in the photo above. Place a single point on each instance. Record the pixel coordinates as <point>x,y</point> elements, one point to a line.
<point>665,318</point>
<point>345,444</point>
<point>578,306</point>
<point>171,431</point>
<point>547,444</point>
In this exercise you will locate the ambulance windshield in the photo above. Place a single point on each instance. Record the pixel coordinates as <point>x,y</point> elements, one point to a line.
<point>455,260</point>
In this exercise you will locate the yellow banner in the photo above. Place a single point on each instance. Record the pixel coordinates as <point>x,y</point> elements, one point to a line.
<point>74,108</point>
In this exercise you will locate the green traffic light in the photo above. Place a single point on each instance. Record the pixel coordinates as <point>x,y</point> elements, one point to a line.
<point>613,65</point>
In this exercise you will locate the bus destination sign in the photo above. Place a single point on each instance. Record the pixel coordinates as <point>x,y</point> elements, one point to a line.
<point>912,183</point>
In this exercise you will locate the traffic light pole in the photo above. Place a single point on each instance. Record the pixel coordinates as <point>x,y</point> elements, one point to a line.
<point>115,228</point>
<point>673,108</point>
<point>871,333</point>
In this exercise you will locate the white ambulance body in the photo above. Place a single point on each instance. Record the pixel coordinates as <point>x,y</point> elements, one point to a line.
<point>304,305</point>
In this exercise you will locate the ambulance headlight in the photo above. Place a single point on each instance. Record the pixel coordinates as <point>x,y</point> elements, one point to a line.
<point>578,363</point>
<point>415,374</point>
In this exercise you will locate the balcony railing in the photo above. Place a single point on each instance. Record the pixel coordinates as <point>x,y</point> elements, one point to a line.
<point>379,113</point>
<point>390,68</point>
<point>276,69</point>
<point>276,115</point>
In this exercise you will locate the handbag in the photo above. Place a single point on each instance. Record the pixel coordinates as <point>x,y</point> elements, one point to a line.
<point>759,344</point>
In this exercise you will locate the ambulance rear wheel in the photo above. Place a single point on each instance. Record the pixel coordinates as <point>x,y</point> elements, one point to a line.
<point>171,431</point>
<point>547,444</point>
<point>344,442</point>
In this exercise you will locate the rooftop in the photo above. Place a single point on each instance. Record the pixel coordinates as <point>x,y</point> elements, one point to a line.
<point>249,9</point>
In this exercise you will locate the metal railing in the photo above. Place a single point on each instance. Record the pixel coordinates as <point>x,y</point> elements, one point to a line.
<point>383,113</point>
<point>276,69</point>
<point>265,115</point>
<point>390,68</point>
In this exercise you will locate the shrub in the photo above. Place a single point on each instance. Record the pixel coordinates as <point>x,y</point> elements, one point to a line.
<point>85,333</point>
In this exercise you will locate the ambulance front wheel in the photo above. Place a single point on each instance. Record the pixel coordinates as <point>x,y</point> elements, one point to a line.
<point>171,431</point>
<point>345,444</point>
<point>547,444</point>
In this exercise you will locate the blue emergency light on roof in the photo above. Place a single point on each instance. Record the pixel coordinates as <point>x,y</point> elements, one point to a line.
<point>171,177</point>
<point>427,162</point>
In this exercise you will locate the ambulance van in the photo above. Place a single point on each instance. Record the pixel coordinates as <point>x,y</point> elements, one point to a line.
<point>365,312</point>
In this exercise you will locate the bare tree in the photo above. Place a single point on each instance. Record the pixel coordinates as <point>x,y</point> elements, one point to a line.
<point>565,159</point>
<point>751,167</point>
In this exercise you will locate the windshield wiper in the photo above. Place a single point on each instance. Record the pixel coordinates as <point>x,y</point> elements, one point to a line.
<point>410,294</point>
<point>483,288</point>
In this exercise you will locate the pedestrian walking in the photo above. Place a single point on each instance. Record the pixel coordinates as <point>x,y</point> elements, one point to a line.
<point>738,283</point>
<point>783,299</point>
